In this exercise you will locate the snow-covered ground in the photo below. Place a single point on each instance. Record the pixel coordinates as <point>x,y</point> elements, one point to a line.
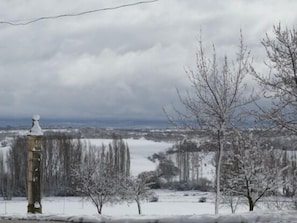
<point>172,206</point>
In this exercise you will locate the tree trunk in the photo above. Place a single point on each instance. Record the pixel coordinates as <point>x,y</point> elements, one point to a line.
<point>218,169</point>
<point>138,206</point>
<point>251,204</point>
<point>99,209</point>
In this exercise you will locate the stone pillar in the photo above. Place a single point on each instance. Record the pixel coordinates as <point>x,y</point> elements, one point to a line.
<point>34,166</point>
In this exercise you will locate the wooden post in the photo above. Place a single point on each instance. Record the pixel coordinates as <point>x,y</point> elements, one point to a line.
<point>34,167</point>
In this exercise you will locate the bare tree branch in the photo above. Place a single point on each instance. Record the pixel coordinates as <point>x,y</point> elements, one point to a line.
<point>281,82</point>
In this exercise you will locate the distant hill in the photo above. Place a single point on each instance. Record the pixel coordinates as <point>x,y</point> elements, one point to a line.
<point>25,123</point>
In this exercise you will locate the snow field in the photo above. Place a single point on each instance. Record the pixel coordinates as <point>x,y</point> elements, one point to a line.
<point>170,203</point>
<point>172,207</point>
<point>140,150</point>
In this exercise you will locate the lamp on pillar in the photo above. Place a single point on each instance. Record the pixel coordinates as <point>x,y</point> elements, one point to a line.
<point>34,166</point>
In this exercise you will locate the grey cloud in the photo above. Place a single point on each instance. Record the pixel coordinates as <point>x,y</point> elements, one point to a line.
<point>121,63</point>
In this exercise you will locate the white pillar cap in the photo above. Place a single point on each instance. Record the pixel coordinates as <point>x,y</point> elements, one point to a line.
<point>35,129</point>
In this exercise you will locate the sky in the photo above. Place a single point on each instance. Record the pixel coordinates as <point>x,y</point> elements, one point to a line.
<point>123,63</point>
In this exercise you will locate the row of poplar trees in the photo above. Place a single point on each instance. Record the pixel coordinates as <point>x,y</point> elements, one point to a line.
<point>63,155</point>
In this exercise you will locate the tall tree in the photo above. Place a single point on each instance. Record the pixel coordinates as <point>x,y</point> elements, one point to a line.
<point>17,165</point>
<point>188,160</point>
<point>280,85</point>
<point>60,152</point>
<point>218,94</point>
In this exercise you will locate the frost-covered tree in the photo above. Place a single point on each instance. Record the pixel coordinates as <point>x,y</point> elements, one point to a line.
<point>95,180</point>
<point>289,160</point>
<point>231,200</point>
<point>136,189</point>
<point>101,172</point>
<point>217,95</point>
<point>251,169</point>
<point>280,84</point>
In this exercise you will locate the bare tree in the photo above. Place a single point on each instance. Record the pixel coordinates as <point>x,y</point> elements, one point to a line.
<point>231,200</point>
<point>101,171</point>
<point>94,179</point>
<point>280,85</point>
<point>251,169</point>
<point>217,97</point>
<point>136,189</point>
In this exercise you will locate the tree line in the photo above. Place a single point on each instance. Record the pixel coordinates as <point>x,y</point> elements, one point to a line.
<point>62,155</point>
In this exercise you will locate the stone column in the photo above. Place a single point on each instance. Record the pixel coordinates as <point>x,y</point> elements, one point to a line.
<point>34,166</point>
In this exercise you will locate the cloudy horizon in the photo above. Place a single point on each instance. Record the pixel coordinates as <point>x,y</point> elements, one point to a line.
<point>124,63</point>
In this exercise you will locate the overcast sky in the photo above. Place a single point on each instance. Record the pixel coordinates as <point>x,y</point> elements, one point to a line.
<point>120,63</point>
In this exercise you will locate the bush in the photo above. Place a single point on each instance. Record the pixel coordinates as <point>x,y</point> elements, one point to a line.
<point>153,198</point>
<point>203,184</point>
<point>202,199</point>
